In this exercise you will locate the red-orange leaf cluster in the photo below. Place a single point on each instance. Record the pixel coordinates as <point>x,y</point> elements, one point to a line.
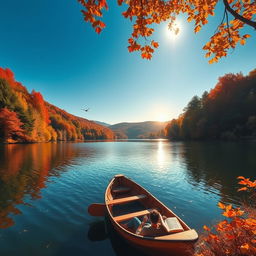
<point>246,182</point>
<point>10,125</point>
<point>235,236</point>
<point>93,10</point>
<point>145,13</point>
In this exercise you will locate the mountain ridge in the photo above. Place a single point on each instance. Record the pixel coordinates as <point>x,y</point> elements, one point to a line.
<point>139,130</point>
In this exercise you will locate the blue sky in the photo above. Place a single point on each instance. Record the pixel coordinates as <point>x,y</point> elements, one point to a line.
<point>52,50</point>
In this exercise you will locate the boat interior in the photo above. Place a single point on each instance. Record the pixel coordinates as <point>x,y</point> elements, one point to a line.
<point>126,200</point>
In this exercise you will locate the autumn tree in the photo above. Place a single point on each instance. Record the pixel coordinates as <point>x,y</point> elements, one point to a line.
<point>34,120</point>
<point>8,99</point>
<point>10,125</point>
<point>228,111</point>
<point>144,14</point>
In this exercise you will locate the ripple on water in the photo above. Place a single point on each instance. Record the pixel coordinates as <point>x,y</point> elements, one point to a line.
<point>186,177</point>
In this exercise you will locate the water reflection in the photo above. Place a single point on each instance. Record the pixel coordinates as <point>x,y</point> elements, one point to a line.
<point>190,178</point>
<point>24,171</point>
<point>160,154</point>
<point>216,165</point>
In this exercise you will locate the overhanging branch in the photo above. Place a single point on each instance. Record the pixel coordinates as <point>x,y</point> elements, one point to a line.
<point>238,16</point>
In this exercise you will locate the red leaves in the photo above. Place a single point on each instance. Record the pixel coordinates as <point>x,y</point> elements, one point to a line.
<point>98,30</point>
<point>229,211</point>
<point>134,46</point>
<point>242,41</point>
<point>146,55</point>
<point>8,75</point>
<point>145,13</point>
<point>247,183</point>
<point>98,26</point>
<point>154,44</point>
<point>246,36</point>
<point>197,28</point>
<point>93,9</point>
<point>233,236</point>
<point>120,2</point>
<point>146,52</point>
<point>10,124</point>
<point>221,205</point>
<point>232,213</point>
<point>103,4</point>
<point>242,189</point>
<point>39,104</point>
<point>206,228</point>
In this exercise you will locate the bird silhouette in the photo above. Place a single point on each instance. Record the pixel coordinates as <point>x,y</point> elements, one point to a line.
<point>86,110</point>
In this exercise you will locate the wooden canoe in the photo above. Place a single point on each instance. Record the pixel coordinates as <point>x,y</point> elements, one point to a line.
<point>126,199</point>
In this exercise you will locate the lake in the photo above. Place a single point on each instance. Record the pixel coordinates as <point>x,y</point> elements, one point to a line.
<point>45,189</point>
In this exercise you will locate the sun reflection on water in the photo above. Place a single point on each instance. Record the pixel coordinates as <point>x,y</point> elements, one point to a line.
<point>161,155</point>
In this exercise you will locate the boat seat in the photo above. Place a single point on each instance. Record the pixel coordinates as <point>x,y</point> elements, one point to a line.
<point>126,199</point>
<point>131,215</point>
<point>121,190</point>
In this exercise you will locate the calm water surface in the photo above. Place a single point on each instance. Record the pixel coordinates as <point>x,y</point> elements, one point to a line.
<point>45,189</point>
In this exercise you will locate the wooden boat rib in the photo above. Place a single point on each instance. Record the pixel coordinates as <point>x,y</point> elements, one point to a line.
<point>121,195</point>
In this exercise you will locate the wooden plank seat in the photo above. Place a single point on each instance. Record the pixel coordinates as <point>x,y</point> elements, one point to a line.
<point>121,190</point>
<point>124,200</point>
<point>131,215</point>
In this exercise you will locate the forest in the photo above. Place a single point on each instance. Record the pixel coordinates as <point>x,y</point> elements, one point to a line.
<point>226,112</point>
<point>26,117</point>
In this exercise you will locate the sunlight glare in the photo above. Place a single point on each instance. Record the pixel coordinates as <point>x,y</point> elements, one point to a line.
<point>162,118</point>
<point>161,156</point>
<point>174,33</point>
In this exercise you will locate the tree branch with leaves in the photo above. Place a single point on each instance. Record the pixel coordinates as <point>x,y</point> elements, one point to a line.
<point>146,13</point>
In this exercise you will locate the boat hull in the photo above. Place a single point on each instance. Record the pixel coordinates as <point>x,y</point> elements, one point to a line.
<point>178,244</point>
<point>152,248</point>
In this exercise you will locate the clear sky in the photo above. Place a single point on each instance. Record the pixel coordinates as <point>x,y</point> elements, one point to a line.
<point>52,50</point>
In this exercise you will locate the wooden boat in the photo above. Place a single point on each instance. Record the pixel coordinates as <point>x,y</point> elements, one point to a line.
<point>126,199</point>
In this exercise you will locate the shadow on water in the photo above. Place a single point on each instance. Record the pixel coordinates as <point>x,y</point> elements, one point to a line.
<point>97,231</point>
<point>216,165</point>
<point>103,229</point>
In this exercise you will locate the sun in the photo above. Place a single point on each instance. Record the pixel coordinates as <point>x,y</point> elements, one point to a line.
<point>174,32</point>
<point>162,118</point>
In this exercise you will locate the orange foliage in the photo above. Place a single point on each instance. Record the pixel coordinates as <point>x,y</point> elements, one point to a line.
<point>10,125</point>
<point>226,86</point>
<point>37,115</point>
<point>8,75</point>
<point>249,186</point>
<point>234,236</point>
<point>247,183</point>
<point>70,127</point>
<point>146,13</point>
<point>39,104</point>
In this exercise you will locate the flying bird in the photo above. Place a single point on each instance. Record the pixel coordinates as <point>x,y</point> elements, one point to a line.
<point>86,110</point>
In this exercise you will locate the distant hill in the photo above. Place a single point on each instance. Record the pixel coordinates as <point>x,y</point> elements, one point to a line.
<point>26,117</point>
<point>140,130</point>
<point>101,123</point>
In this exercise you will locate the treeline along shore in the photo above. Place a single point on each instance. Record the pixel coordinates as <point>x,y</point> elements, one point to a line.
<point>227,112</point>
<point>26,117</point>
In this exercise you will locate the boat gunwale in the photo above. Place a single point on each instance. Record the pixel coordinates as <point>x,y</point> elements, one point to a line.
<point>159,238</point>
